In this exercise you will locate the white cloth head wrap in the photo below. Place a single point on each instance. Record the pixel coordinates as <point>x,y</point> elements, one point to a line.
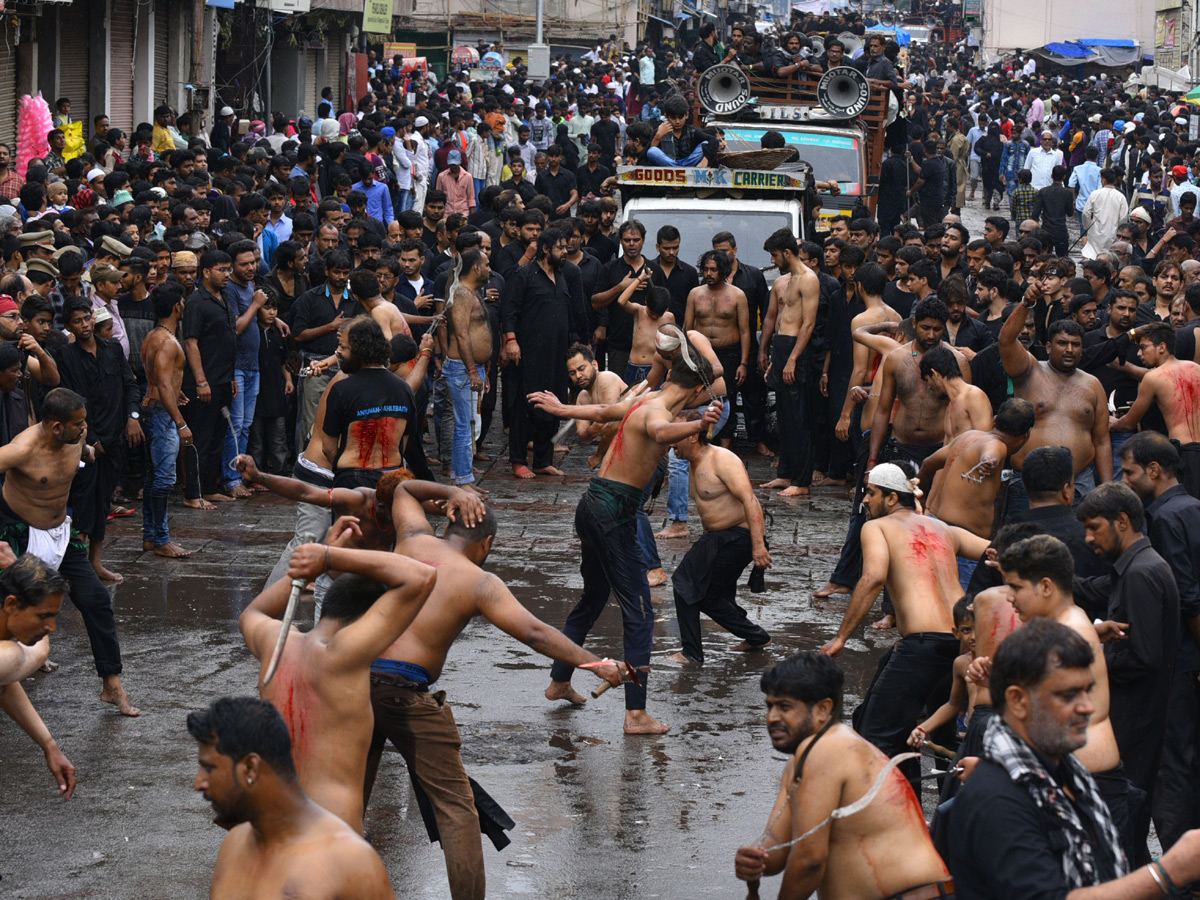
<point>666,342</point>
<point>891,477</point>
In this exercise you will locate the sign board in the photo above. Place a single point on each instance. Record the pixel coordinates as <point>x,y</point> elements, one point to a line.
<point>480,74</point>
<point>1193,127</point>
<point>464,57</point>
<point>393,49</point>
<point>733,179</point>
<point>972,9</point>
<point>377,16</point>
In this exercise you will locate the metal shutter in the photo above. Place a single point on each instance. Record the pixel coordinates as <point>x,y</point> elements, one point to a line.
<point>73,53</point>
<point>337,65</point>
<point>8,88</point>
<point>122,24</point>
<point>311,92</point>
<point>162,32</point>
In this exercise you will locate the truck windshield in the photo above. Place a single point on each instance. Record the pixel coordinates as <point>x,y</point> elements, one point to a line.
<point>834,157</point>
<point>697,226</point>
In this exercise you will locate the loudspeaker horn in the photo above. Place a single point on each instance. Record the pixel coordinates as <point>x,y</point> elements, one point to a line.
<point>852,41</point>
<point>723,89</point>
<point>818,44</point>
<point>844,92</point>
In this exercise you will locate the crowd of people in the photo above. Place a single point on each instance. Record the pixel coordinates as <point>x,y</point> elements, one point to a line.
<point>332,308</point>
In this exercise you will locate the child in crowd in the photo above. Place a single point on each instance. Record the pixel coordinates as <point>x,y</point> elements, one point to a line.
<point>268,433</point>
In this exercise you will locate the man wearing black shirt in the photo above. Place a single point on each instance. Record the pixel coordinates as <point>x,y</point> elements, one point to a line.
<point>524,248</point>
<point>209,341</point>
<point>589,178</point>
<point>621,272</point>
<point>316,318</point>
<point>1109,354</point>
<point>435,206</point>
<point>594,239</point>
<point>96,369</point>
<point>930,187</point>
<point>518,182</point>
<point>1029,822</point>
<point>1054,204</point>
<point>894,179</point>
<point>368,415</point>
<point>962,331</point>
<point>1151,465</point>
<point>558,184</point>
<point>606,133</point>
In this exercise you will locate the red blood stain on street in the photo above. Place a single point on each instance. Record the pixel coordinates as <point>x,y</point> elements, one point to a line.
<point>372,432</point>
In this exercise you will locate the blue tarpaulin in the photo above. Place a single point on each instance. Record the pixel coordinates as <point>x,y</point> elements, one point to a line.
<point>1106,42</point>
<point>1071,50</point>
<point>1108,52</point>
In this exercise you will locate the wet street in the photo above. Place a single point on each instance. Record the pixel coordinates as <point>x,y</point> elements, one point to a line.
<point>598,814</point>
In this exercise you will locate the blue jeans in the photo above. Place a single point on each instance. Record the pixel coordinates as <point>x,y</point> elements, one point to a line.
<point>635,374</point>
<point>406,199</point>
<point>454,371</point>
<point>480,184</point>
<point>660,158</point>
<point>677,487</point>
<point>163,438</point>
<point>242,411</point>
<point>1118,439</point>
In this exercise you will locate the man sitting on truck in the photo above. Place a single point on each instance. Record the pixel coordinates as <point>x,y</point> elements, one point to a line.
<point>679,143</point>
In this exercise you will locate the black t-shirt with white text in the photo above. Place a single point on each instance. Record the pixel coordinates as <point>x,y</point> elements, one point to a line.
<point>375,407</point>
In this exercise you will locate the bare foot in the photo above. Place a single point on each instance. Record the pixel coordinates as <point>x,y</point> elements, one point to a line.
<point>521,471</point>
<point>548,470</point>
<point>49,666</point>
<point>240,492</point>
<point>763,450</point>
<point>830,482</point>
<point>830,589</point>
<point>218,498</point>
<point>473,488</point>
<point>675,530</point>
<point>746,646</point>
<point>172,550</point>
<point>638,721</point>
<point>656,577</point>
<point>888,621</point>
<point>776,483</point>
<point>562,690</point>
<point>794,491</point>
<point>114,693</point>
<point>479,457</point>
<point>201,503</point>
<point>106,575</point>
<point>561,448</point>
<point>681,659</point>
<point>818,475</point>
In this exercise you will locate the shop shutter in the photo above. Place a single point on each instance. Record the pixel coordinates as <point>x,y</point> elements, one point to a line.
<point>8,88</point>
<point>73,55</point>
<point>311,91</point>
<point>122,24</point>
<point>162,32</point>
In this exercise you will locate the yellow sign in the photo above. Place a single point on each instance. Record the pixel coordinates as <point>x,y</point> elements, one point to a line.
<point>377,16</point>
<point>404,51</point>
<point>73,132</point>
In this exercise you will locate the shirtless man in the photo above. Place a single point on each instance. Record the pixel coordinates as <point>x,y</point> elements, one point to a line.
<point>914,557</point>
<point>962,479</point>
<point>367,415</point>
<point>705,581</point>
<point>163,360</point>
<point>647,318</point>
<point>420,724</point>
<point>1039,572</point>
<point>787,330</point>
<point>883,850</point>
<point>364,285</point>
<point>595,387</point>
<point>720,312</point>
<point>606,516</point>
<point>1173,385</point>
<point>39,464</point>
<point>967,407</point>
<point>33,594</point>
<point>469,351</point>
<point>871,279</point>
<point>920,423</point>
<point>321,686</point>
<point>1072,410</point>
<point>278,838</point>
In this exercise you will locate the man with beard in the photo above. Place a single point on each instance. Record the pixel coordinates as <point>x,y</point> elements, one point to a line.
<point>278,837</point>
<point>1072,410</point>
<point>1173,385</point>
<point>1109,355</point>
<point>1142,594</point>
<point>913,556</point>
<point>33,594</point>
<point>469,352</point>
<point>542,311</point>
<point>367,416</point>
<point>919,426</point>
<point>882,850</point>
<point>595,387</point>
<point>40,464</point>
<point>607,514</point>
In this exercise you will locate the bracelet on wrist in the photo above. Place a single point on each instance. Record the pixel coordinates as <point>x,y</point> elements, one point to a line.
<point>328,567</point>
<point>179,426</point>
<point>202,384</point>
<point>870,462</point>
<point>1172,888</point>
<point>510,340</point>
<point>1157,879</point>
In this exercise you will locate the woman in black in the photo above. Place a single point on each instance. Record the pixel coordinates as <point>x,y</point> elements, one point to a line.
<point>989,147</point>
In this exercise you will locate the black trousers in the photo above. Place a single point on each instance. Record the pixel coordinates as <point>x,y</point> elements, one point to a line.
<point>795,436</point>
<point>706,582</point>
<point>730,358</point>
<point>1189,471</point>
<point>92,492</point>
<point>528,424</point>
<point>912,676</point>
<point>208,427</point>
<point>849,565</point>
<point>754,399</point>
<point>1176,805</point>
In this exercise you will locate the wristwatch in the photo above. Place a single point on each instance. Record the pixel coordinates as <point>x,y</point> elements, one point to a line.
<point>135,415</point>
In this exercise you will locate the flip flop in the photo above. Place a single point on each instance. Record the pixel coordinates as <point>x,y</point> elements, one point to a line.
<point>120,512</point>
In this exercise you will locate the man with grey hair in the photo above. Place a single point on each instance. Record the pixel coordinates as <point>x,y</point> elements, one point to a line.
<point>1042,159</point>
